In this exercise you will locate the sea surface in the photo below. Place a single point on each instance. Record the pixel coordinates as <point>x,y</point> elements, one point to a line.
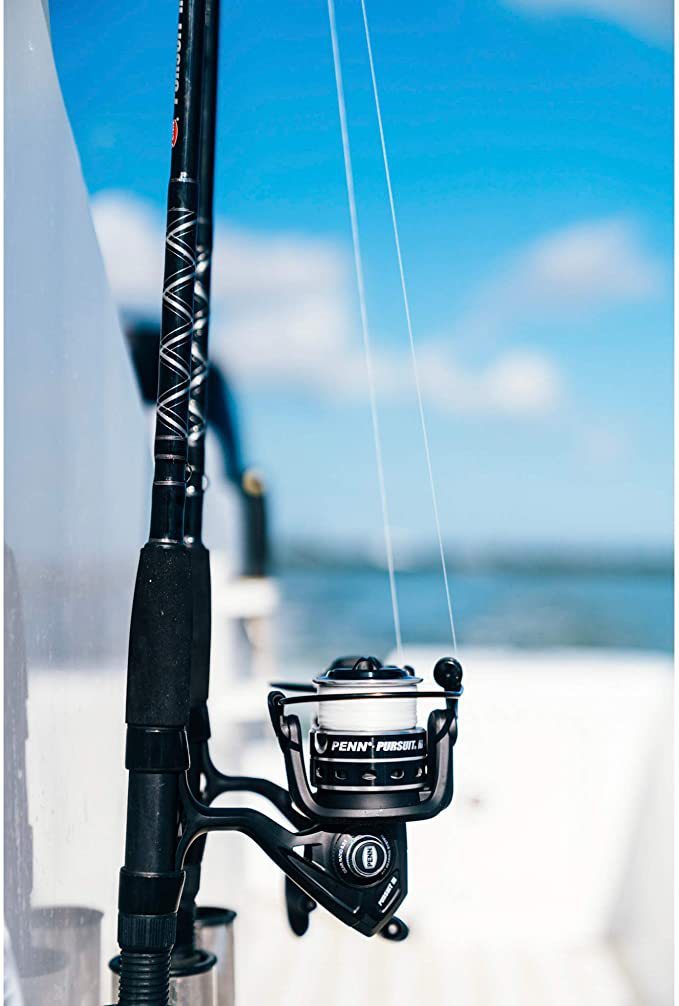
<point>329,611</point>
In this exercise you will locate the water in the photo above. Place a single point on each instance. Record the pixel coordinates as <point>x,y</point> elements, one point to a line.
<point>328,611</point>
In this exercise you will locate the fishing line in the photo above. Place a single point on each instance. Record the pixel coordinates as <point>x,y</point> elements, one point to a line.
<point>358,264</point>
<point>409,325</point>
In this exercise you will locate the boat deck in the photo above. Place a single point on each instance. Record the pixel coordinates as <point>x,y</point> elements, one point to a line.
<point>549,881</point>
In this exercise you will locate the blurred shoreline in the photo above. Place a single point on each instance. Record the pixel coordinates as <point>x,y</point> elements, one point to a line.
<point>517,599</point>
<point>530,560</point>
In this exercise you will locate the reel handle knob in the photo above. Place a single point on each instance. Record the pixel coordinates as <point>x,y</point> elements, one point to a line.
<point>448,674</point>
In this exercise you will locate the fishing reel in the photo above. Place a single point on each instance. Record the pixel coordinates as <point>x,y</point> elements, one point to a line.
<point>372,770</point>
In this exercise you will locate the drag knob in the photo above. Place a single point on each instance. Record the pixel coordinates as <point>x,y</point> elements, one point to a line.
<point>361,859</point>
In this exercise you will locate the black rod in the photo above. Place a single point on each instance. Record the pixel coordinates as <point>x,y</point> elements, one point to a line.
<point>159,660</point>
<point>204,239</point>
<point>193,531</point>
<point>199,724</point>
<point>176,332</point>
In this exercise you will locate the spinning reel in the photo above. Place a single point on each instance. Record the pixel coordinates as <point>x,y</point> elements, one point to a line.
<point>372,769</point>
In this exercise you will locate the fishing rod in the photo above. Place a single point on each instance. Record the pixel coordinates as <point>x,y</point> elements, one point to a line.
<point>198,723</point>
<point>204,778</point>
<point>161,631</point>
<point>176,536</point>
<point>373,769</point>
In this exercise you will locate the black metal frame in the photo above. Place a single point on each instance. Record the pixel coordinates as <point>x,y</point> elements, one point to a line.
<point>437,791</point>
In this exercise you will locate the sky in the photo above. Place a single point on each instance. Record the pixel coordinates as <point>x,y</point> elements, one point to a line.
<point>531,152</point>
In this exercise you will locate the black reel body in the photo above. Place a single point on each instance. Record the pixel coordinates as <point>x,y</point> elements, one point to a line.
<point>348,767</point>
<point>369,873</point>
<point>373,769</point>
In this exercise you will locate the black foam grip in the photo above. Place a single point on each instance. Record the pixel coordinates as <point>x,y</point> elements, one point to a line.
<point>159,662</point>
<point>202,624</point>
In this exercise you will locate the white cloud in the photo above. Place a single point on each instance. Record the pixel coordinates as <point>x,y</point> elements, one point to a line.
<point>650,18</point>
<point>282,316</point>
<point>591,265</point>
<point>523,381</point>
<point>516,382</point>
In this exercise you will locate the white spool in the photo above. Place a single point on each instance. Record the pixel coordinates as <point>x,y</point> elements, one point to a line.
<point>369,716</point>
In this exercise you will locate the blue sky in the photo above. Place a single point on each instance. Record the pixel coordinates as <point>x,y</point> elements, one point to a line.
<point>530,145</point>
